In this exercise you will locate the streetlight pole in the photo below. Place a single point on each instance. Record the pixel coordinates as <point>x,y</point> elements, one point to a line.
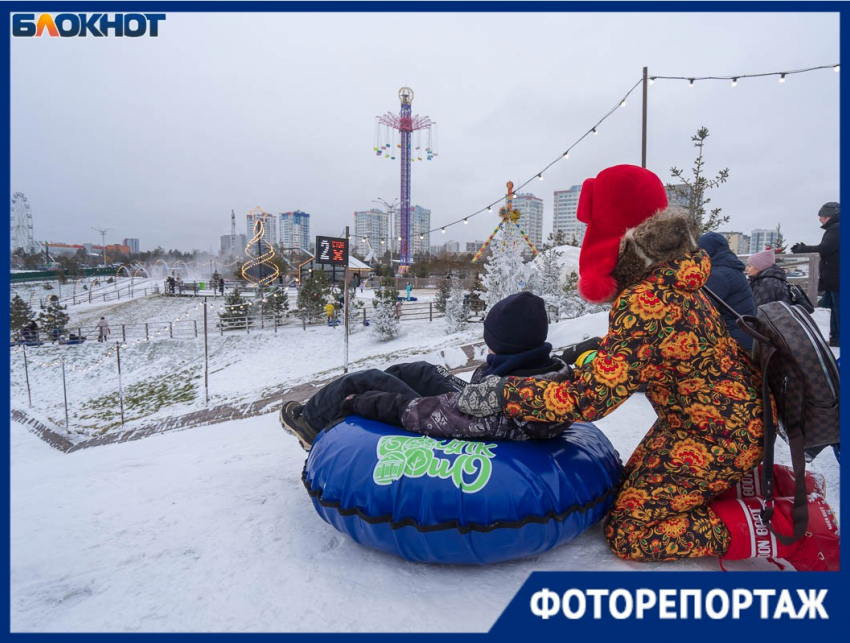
<point>391,207</point>
<point>102,232</point>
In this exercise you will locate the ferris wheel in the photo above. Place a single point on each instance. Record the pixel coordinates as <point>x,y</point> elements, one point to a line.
<point>21,224</point>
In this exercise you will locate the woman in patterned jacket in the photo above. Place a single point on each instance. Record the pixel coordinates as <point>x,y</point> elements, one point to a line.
<point>676,500</point>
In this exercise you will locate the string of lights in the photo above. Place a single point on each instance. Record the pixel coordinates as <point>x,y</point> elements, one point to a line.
<point>622,103</point>
<point>782,75</point>
<point>539,175</point>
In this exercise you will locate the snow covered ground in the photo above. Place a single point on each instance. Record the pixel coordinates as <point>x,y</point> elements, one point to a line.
<point>210,529</point>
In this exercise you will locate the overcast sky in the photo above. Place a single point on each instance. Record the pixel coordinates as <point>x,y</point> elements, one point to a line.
<point>159,138</point>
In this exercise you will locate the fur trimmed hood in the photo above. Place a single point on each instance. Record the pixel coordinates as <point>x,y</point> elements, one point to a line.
<point>671,234</point>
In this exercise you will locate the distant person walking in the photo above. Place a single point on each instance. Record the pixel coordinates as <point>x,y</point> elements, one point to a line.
<point>409,288</point>
<point>221,286</point>
<point>102,329</point>
<point>767,280</point>
<point>828,248</point>
<point>728,281</point>
<point>329,311</point>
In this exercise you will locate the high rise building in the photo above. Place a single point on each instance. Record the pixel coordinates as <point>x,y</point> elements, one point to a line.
<point>295,230</point>
<point>564,219</point>
<point>531,218</point>
<point>239,241</point>
<point>372,225</point>
<point>270,222</point>
<point>420,224</point>
<point>133,244</point>
<point>678,195</point>
<point>761,239</point>
<point>474,246</point>
<point>739,243</point>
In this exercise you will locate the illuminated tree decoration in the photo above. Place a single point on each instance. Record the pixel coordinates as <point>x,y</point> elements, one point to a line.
<point>259,269</point>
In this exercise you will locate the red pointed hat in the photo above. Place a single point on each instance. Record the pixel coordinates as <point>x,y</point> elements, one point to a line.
<point>619,198</point>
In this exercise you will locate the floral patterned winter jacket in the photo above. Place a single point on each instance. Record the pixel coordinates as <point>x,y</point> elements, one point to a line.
<point>663,332</point>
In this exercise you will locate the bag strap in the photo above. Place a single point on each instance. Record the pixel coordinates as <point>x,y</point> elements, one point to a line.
<point>800,512</point>
<point>746,323</point>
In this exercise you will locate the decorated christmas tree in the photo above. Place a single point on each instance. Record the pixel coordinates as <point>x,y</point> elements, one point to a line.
<point>53,315</point>
<point>235,312</point>
<point>506,273</point>
<point>313,295</point>
<point>385,324</point>
<point>277,303</point>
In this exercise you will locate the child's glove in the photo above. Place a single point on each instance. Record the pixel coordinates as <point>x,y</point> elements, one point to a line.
<point>483,399</point>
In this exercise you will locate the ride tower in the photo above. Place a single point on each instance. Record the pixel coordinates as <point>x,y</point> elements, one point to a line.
<point>410,130</point>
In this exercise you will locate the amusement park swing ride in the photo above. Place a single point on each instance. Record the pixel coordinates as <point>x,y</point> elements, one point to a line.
<point>407,126</point>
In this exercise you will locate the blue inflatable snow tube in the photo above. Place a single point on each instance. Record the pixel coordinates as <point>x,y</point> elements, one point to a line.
<point>458,501</point>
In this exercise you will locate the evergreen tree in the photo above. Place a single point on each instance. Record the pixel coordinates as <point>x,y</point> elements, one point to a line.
<point>476,295</point>
<point>385,325</point>
<point>457,311</point>
<point>694,189</point>
<point>572,304</point>
<point>506,271</point>
<point>556,238</point>
<point>781,243</point>
<point>235,312</point>
<point>313,295</point>
<point>21,314</point>
<point>548,282</point>
<point>53,315</point>
<point>443,292</point>
<point>277,303</point>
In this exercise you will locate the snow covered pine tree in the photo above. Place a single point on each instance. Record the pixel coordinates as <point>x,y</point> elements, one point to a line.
<point>385,324</point>
<point>457,311</point>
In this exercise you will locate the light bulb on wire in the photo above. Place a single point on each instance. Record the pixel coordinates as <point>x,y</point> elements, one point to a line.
<point>690,82</point>
<point>567,154</point>
<point>652,81</point>
<point>782,78</point>
<point>595,132</point>
<point>465,221</point>
<point>623,103</point>
<point>734,82</point>
<point>443,230</point>
<point>540,176</point>
<point>837,67</point>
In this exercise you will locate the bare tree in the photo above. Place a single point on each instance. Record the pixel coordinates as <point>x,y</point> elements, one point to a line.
<point>695,188</point>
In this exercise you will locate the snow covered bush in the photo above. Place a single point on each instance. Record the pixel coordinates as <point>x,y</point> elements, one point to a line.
<point>385,323</point>
<point>457,311</point>
<point>572,305</point>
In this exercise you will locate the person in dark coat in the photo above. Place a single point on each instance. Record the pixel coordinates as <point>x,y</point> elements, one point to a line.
<point>422,397</point>
<point>829,247</point>
<point>767,280</point>
<point>728,281</point>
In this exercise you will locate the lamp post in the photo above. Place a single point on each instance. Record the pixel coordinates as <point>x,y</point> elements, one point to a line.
<point>391,208</point>
<point>102,232</point>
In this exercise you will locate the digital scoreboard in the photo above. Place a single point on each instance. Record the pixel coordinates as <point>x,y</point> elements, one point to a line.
<point>332,250</point>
